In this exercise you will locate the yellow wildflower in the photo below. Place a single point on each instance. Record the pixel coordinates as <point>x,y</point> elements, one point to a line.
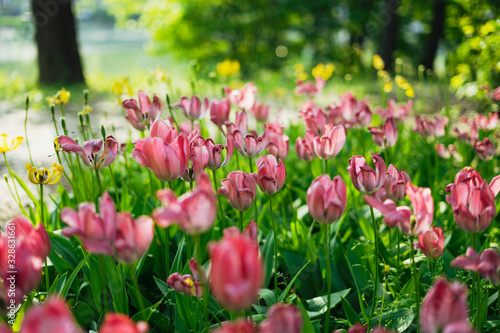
<point>299,72</point>
<point>86,109</point>
<point>60,98</point>
<point>378,63</point>
<point>410,92</point>
<point>57,146</point>
<point>45,176</point>
<point>383,74</point>
<point>387,87</point>
<point>323,71</point>
<point>4,145</point>
<point>228,67</point>
<point>400,81</point>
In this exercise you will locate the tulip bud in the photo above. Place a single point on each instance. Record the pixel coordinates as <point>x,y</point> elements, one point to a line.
<point>485,149</point>
<point>271,175</point>
<point>326,199</point>
<point>431,242</point>
<point>395,183</point>
<point>365,179</point>
<point>240,190</point>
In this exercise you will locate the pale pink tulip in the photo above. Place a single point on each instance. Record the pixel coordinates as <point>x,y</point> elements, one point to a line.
<point>192,107</point>
<point>485,149</point>
<point>141,116</point>
<point>53,315</point>
<point>215,153</point>
<point>194,212</point>
<point>487,123</point>
<point>219,111</point>
<point>330,143</point>
<point>305,149</point>
<point>431,242</point>
<point>239,326</point>
<point>395,183</point>
<point>120,323</point>
<point>309,88</point>
<point>282,319</point>
<point>251,144</point>
<point>365,179</point>
<point>94,153</point>
<point>199,157</point>
<point>315,119</point>
<point>260,112</point>
<point>240,190</point>
<point>271,174</point>
<point>487,264</point>
<point>385,136</point>
<point>132,236</point>
<point>399,112</point>
<point>496,94</point>
<point>326,199</point>
<point>426,128</point>
<point>244,98</point>
<point>241,123</point>
<point>278,141</point>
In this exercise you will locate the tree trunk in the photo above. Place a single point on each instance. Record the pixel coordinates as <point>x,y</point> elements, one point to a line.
<point>437,30</point>
<point>390,35</point>
<point>55,36</point>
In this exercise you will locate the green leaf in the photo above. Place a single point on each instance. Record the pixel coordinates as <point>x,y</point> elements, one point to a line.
<point>115,282</point>
<point>401,319</point>
<point>317,306</point>
<point>162,285</point>
<point>307,326</point>
<point>83,313</point>
<point>136,297</point>
<point>287,289</point>
<point>65,290</point>
<point>25,188</point>
<point>58,284</point>
<point>268,254</point>
<point>351,315</point>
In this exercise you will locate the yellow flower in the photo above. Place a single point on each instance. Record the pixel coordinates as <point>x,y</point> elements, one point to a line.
<point>410,92</point>
<point>4,145</point>
<point>387,87</point>
<point>86,109</point>
<point>57,146</point>
<point>299,72</point>
<point>299,68</point>
<point>61,97</point>
<point>122,87</point>
<point>378,63</point>
<point>383,74</point>
<point>45,176</point>
<point>325,72</point>
<point>228,67</point>
<point>400,81</point>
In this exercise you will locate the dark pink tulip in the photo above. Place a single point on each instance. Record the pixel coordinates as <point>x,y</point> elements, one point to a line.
<point>399,112</point>
<point>315,119</point>
<point>444,307</point>
<point>240,190</point>
<point>427,128</point>
<point>326,199</point>
<point>356,328</point>
<point>278,141</point>
<point>362,114</point>
<point>163,129</point>
<point>36,239</point>
<point>244,98</point>
<point>142,115</point>
<point>215,153</point>
<point>271,175</point>
<point>250,232</point>
<point>431,242</point>
<point>330,143</point>
<point>118,322</point>
<point>309,88</point>
<point>305,149</point>
<point>395,183</point>
<point>237,271</point>
<point>219,111</point>
<point>472,200</point>
<point>251,144</point>
<point>199,157</point>
<point>51,316</point>
<point>282,319</point>
<point>386,135</point>
<point>485,149</point>
<point>239,326</point>
<point>96,231</point>
<point>5,329</point>
<point>365,179</point>
<point>487,264</point>
<point>496,94</point>
<point>260,112</point>
<point>94,153</point>
<point>132,237</point>
<point>194,212</point>
<point>393,215</point>
<point>192,107</point>
<point>189,285</point>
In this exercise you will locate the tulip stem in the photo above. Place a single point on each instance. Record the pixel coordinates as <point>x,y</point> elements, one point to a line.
<point>375,282</point>
<point>14,184</point>
<point>241,221</point>
<point>114,184</point>
<point>26,129</point>
<point>275,249</point>
<point>476,283</point>
<point>415,276</point>
<point>172,113</point>
<point>328,276</point>
<point>399,248</point>
<point>197,244</point>
<point>98,180</point>
<point>326,167</point>
<point>256,214</point>
<point>136,286</point>
<point>219,204</point>
<point>83,177</point>
<point>42,219</point>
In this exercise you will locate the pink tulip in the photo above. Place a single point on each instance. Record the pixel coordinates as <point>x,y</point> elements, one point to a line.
<point>446,153</point>
<point>485,149</point>
<point>192,107</point>
<point>282,319</point>
<point>5,329</point>
<point>315,119</point>
<point>132,237</point>
<point>120,323</point>
<point>250,232</point>
<point>241,123</point>
<point>309,88</point>
<point>215,153</point>
<point>36,239</point>
<point>356,328</point>
<point>251,144</point>
<point>189,285</point>
<point>219,111</point>
<point>271,175</point>
<point>94,153</point>
<point>96,231</point>
<point>141,116</point>
<point>395,183</point>
<point>487,123</point>
<point>496,94</point>
<point>472,200</point>
<point>365,179</point>
<point>238,326</point>
<point>350,112</point>
<point>445,307</point>
<point>278,141</point>
<point>240,190</point>
<point>194,212</point>
<point>199,157</point>
<point>260,112</point>
<point>244,98</point>
<point>305,149</point>
<point>385,136</point>
<point>326,199</point>
<point>163,129</point>
<point>237,271</point>
<point>399,112</point>
<point>329,145</point>
<point>53,315</point>
<point>487,264</point>
<point>431,242</point>
<point>362,115</point>
<point>427,128</point>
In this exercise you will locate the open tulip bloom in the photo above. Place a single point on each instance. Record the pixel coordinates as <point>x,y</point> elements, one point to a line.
<point>95,154</point>
<point>365,179</point>
<point>487,264</point>
<point>143,115</point>
<point>192,107</point>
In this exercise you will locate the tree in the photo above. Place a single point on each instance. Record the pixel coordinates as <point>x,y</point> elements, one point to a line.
<point>437,30</point>
<point>55,36</point>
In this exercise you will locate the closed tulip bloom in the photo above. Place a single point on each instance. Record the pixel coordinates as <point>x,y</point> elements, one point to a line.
<point>118,322</point>
<point>237,271</point>
<point>431,242</point>
<point>365,179</point>
<point>5,146</point>
<point>427,127</point>
<point>194,212</point>
<point>315,119</point>
<point>133,237</point>
<point>305,149</point>
<point>260,112</point>
<point>362,115</point>
<point>251,144</point>
<point>199,157</point>
<point>163,129</point>
<point>485,149</point>
<point>192,107</point>
<point>141,116</point>
<point>250,232</point>
<point>330,143</point>
<point>326,199</point>
<point>445,307</point>
<point>219,111</point>
<point>385,136</point>
<point>96,231</point>
<point>215,153</point>
<point>239,326</point>
<point>395,183</point>
<point>282,319</point>
<point>95,154</point>
<point>243,98</point>
<point>53,315</point>
<point>241,123</point>
<point>43,175</point>
<point>36,239</point>
<point>240,190</point>
<point>189,285</point>
<point>271,175</point>
<point>278,141</point>
<point>487,264</point>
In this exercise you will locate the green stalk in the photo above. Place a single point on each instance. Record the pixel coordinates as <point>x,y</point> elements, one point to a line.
<point>104,296</point>
<point>172,113</point>
<point>98,180</point>
<point>326,167</point>
<point>414,273</point>
<point>41,207</point>
<point>83,177</point>
<point>62,110</point>
<point>399,250</point>
<point>136,286</point>
<point>19,203</point>
<point>26,128</point>
<point>52,111</point>
<point>241,221</point>
<point>375,283</point>
<point>328,276</point>
<point>478,285</point>
<point>197,243</point>
<point>256,214</point>
<point>219,204</point>
<point>275,249</point>
<point>114,184</point>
